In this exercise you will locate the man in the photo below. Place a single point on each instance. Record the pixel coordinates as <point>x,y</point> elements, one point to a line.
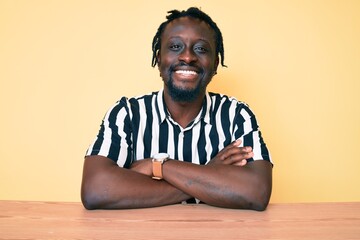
<point>181,144</point>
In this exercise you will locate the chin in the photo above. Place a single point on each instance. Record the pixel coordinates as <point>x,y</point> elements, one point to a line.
<point>179,94</point>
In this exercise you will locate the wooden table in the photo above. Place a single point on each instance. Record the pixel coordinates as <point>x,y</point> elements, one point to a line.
<point>52,220</point>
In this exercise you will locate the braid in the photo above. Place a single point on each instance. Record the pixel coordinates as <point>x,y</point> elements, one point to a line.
<point>191,12</point>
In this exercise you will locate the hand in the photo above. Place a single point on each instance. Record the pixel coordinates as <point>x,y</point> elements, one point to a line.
<point>233,155</point>
<point>142,166</point>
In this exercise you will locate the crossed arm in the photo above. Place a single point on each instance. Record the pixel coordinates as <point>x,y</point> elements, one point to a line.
<point>226,181</point>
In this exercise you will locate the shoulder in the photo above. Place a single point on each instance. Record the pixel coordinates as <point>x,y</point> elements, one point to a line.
<point>127,102</point>
<point>144,97</point>
<point>225,100</point>
<point>125,105</point>
<point>227,105</point>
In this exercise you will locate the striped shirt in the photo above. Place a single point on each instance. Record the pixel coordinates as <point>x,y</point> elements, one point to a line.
<point>140,127</point>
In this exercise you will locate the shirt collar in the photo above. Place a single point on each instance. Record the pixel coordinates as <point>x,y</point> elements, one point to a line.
<point>163,112</point>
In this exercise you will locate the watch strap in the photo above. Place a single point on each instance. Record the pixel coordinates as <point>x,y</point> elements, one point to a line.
<point>157,162</point>
<point>157,170</point>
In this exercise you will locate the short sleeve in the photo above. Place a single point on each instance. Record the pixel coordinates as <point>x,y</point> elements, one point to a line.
<point>114,138</point>
<point>247,129</point>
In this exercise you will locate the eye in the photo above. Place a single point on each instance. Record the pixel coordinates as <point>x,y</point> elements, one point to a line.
<point>201,49</point>
<point>175,47</point>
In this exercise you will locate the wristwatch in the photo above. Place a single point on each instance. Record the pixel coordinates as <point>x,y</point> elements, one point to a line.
<point>157,162</point>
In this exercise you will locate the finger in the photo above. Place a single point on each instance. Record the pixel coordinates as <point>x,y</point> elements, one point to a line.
<point>239,152</point>
<point>237,142</point>
<point>231,151</point>
<point>238,158</point>
<point>241,163</point>
<point>228,151</point>
<point>245,150</point>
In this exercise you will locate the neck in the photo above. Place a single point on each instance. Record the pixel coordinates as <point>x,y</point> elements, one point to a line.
<point>183,112</point>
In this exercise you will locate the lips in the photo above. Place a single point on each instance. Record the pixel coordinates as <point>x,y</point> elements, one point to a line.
<point>186,73</point>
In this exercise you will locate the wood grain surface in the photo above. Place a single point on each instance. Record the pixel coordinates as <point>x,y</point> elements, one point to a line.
<point>56,220</point>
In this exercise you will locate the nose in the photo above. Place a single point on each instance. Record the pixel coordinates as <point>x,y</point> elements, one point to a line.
<point>187,56</point>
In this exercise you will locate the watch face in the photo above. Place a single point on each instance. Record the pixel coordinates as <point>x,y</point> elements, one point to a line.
<point>161,156</point>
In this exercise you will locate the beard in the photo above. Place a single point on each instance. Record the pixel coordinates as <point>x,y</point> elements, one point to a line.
<point>179,94</point>
<point>183,95</point>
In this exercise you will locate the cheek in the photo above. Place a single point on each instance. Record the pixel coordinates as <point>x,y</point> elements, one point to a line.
<point>164,64</point>
<point>162,70</point>
<point>210,68</point>
<point>208,62</point>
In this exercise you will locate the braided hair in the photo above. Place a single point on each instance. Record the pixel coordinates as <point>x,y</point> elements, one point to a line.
<point>194,13</point>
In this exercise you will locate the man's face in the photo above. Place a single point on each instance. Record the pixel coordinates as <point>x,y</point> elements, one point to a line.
<point>187,59</point>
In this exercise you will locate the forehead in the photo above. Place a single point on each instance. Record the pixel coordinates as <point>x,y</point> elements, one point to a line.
<point>186,27</point>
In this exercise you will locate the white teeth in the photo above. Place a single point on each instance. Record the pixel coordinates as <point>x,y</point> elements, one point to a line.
<point>186,72</point>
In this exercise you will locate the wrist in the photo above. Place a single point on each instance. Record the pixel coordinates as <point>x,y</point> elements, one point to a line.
<point>157,165</point>
<point>143,166</point>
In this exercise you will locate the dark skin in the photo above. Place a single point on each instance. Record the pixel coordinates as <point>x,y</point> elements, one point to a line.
<point>226,181</point>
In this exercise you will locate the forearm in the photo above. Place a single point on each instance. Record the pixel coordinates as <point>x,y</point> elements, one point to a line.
<point>239,187</point>
<point>114,187</point>
<point>106,185</point>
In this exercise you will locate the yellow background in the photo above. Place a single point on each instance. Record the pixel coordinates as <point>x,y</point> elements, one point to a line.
<point>64,63</point>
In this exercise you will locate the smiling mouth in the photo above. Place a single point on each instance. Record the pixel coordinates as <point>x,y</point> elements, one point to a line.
<point>186,73</point>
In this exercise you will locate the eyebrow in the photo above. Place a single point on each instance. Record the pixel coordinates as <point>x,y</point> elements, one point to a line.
<point>199,39</point>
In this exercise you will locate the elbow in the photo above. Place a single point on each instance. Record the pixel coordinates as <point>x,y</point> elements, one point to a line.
<point>260,199</point>
<point>259,193</point>
<point>259,205</point>
<point>88,200</point>
<point>96,182</point>
<point>256,200</point>
<point>91,198</point>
